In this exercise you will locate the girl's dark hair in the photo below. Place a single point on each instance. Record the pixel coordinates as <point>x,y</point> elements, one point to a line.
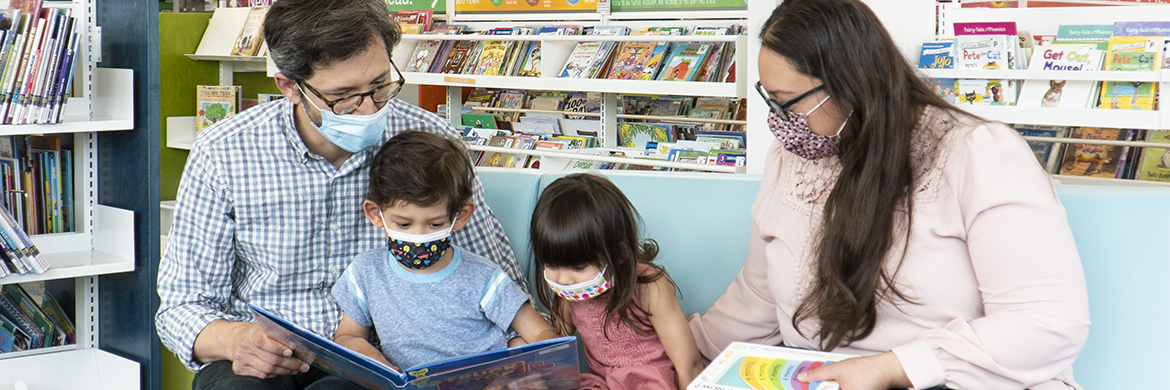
<point>421,168</point>
<point>306,35</point>
<point>584,219</point>
<point>844,45</point>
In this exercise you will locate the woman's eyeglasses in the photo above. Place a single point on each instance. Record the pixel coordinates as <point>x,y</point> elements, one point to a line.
<point>781,109</point>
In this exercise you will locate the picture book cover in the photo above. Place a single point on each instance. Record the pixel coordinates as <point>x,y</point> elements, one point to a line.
<point>481,98</point>
<point>684,61</point>
<point>1131,54</point>
<point>482,121</point>
<point>577,66</point>
<point>1061,93</point>
<point>637,60</point>
<point>1092,160</point>
<point>985,92</point>
<point>746,366</point>
<point>1041,149</point>
<point>424,55</point>
<point>1155,162</point>
<point>984,28</point>
<point>552,363</point>
<point>457,57</point>
<point>1146,29</point>
<point>491,58</point>
<point>943,87</point>
<point>635,135</point>
<point>251,36</point>
<point>530,67</point>
<point>982,51</point>
<point>214,103</point>
<point>937,55</point>
<point>1084,32</point>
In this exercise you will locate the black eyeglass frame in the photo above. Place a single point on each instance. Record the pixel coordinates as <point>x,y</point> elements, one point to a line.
<point>781,109</point>
<point>362,96</point>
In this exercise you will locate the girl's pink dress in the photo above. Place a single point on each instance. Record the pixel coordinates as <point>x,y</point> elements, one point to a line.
<point>626,360</point>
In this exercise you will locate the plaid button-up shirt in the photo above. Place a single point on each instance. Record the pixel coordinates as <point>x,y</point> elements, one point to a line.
<point>261,220</point>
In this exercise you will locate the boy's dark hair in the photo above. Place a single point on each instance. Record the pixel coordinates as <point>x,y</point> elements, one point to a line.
<point>423,169</point>
<point>305,35</point>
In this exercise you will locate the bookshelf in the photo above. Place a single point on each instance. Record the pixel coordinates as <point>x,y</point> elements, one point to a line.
<point>104,242</point>
<point>555,51</point>
<point>1046,21</point>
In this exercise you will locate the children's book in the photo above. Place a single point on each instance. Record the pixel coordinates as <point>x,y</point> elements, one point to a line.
<point>937,55</point>
<point>530,67</point>
<point>1155,162</point>
<point>943,87</point>
<point>635,135</point>
<point>637,60</point>
<point>457,57</point>
<point>552,363</point>
<point>424,56</point>
<point>215,103</point>
<point>985,92</point>
<point>1062,93</point>
<point>251,36</point>
<point>1146,29</point>
<point>581,59</point>
<point>745,366</point>
<point>491,58</point>
<point>1042,150</point>
<point>481,98</point>
<point>1131,54</point>
<point>983,51</point>
<point>482,121</point>
<point>684,61</point>
<point>1092,160</point>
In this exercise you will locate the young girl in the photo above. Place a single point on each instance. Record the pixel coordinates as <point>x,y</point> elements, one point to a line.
<point>602,283</point>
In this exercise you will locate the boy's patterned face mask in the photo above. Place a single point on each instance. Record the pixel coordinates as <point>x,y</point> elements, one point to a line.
<point>581,291</point>
<point>418,251</point>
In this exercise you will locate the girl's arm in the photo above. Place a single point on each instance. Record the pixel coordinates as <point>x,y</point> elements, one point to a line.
<point>356,337</point>
<point>531,326</point>
<point>658,299</point>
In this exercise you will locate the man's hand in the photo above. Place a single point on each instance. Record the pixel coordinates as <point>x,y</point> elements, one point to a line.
<point>252,351</point>
<point>877,372</point>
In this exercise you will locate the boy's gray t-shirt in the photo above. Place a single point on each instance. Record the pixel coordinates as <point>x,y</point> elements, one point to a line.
<point>465,308</point>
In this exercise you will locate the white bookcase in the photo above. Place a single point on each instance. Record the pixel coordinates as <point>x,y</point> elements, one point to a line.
<point>1046,21</point>
<point>555,50</point>
<point>103,242</point>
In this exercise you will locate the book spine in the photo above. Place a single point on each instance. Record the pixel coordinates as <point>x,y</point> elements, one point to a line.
<point>48,97</point>
<point>10,70</point>
<point>37,67</point>
<point>45,85</point>
<point>23,71</point>
<point>23,241</point>
<point>10,254</point>
<point>63,95</point>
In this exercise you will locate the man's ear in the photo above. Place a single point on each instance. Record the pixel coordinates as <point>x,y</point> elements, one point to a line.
<point>464,215</point>
<point>373,213</point>
<point>288,87</point>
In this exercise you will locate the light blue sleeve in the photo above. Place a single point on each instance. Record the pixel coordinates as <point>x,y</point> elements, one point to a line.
<point>349,295</point>
<point>501,299</point>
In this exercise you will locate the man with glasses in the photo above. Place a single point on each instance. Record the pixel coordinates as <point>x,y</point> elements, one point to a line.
<point>269,207</point>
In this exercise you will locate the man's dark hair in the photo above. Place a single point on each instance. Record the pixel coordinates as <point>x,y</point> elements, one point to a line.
<point>305,35</point>
<point>423,169</point>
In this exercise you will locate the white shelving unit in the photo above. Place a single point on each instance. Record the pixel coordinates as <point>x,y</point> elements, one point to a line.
<point>103,242</point>
<point>555,50</point>
<point>1047,21</point>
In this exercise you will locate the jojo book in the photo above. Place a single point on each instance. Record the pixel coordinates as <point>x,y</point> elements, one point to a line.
<point>746,366</point>
<point>551,363</point>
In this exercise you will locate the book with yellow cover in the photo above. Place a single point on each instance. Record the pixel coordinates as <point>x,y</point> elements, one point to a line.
<point>1131,54</point>
<point>252,35</point>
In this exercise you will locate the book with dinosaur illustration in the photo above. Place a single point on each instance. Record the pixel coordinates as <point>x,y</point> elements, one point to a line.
<point>746,366</point>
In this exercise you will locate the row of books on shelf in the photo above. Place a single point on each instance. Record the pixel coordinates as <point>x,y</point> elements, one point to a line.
<point>38,48</point>
<point>1103,161</point>
<point>711,149</point>
<point>708,107</point>
<point>36,173</point>
<point>684,61</point>
<point>31,318</point>
<point>1123,46</point>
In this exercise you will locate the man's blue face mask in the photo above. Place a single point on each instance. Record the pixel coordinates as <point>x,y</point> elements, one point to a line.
<point>351,132</point>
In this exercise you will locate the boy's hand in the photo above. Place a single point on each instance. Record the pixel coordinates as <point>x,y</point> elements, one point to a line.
<point>260,355</point>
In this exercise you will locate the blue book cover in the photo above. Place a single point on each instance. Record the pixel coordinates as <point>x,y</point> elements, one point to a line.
<point>552,363</point>
<point>1039,148</point>
<point>937,55</point>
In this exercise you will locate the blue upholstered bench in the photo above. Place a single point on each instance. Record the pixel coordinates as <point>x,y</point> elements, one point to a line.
<point>702,222</point>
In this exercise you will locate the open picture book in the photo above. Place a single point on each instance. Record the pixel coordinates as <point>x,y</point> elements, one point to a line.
<point>746,366</point>
<point>550,364</point>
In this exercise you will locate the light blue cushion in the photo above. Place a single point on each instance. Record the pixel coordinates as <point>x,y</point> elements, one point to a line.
<point>511,194</point>
<point>701,222</point>
<point>1121,234</point>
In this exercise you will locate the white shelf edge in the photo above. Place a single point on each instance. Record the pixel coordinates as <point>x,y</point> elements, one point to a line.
<point>70,368</point>
<point>654,87</point>
<point>112,103</point>
<point>227,58</point>
<point>66,265</point>
<point>569,38</point>
<point>1127,119</point>
<point>1100,181</point>
<point>69,254</point>
<point>620,160</point>
<point>37,351</point>
<point>181,132</point>
<point>1088,75</point>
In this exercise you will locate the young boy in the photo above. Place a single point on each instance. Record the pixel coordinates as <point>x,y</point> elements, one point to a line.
<point>428,300</point>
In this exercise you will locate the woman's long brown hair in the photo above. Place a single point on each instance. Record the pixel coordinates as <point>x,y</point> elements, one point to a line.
<point>843,44</point>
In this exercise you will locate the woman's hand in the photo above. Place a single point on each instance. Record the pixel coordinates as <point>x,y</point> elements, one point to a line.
<point>877,372</point>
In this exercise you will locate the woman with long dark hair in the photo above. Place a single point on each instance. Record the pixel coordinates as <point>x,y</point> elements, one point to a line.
<point>893,225</point>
